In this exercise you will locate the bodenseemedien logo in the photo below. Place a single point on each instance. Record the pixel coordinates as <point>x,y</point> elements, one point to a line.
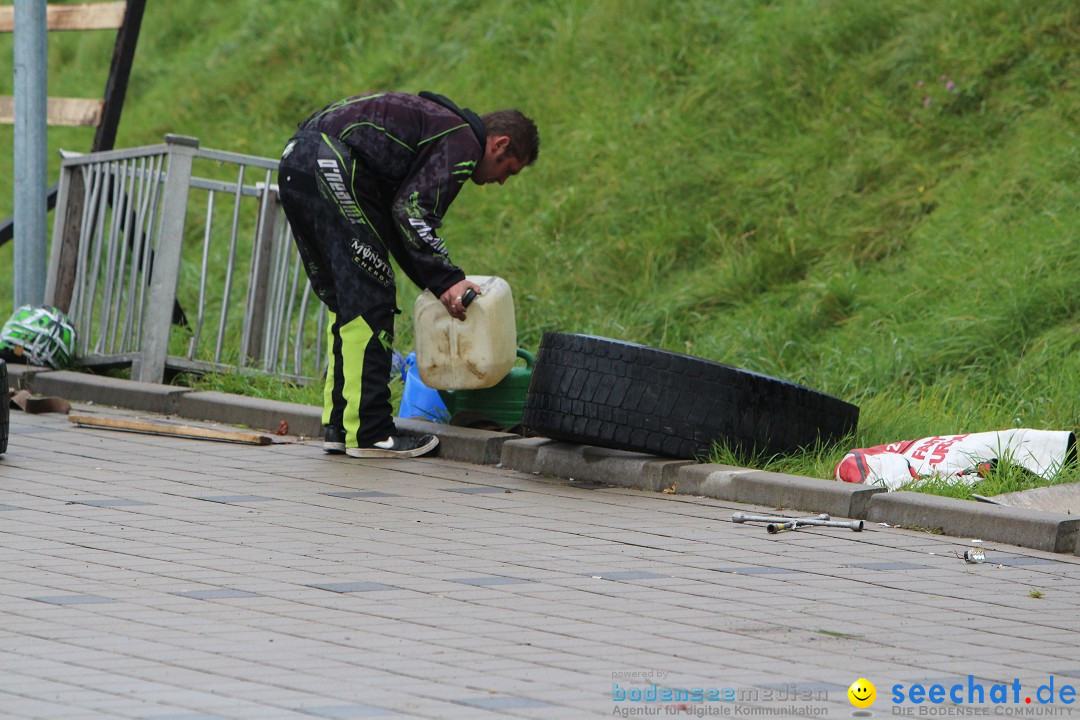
<point>652,700</point>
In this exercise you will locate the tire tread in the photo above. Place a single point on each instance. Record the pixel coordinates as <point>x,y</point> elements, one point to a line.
<point>599,391</point>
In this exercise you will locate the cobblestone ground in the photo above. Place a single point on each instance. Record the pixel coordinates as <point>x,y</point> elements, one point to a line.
<point>160,578</point>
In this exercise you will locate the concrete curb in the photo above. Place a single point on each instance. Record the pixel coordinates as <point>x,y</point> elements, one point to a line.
<point>103,390</point>
<point>779,490</point>
<point>479,447</point>
<point>685,477</point>
<point>591,464</point>
<point>256,413</point>
<point>1051,532</point>
<point>20,376</point>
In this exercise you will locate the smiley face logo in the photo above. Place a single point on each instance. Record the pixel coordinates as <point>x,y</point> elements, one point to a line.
<point>862,693</point>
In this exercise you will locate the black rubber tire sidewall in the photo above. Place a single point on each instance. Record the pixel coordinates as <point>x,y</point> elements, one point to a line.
<point>5,408</point>
<point>598,391</point>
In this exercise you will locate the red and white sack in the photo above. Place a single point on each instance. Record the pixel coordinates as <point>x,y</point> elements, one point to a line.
<point>960,457</point>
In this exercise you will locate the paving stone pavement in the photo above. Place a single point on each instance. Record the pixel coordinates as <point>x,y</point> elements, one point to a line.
<point>158,578</point>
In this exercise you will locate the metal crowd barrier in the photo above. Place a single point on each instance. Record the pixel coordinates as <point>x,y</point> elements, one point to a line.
<point>162,270</point>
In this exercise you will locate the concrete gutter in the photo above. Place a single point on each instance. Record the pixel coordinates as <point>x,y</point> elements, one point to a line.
<point>1051,532</point>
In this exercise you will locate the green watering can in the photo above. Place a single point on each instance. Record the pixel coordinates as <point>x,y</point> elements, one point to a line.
<point>503,404</point>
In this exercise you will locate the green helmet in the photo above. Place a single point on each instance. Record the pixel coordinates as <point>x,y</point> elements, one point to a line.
<point>42,335</point>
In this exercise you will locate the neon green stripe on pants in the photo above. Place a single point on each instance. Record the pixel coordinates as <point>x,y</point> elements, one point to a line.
<point>355,336</point>
<point>328,386</point>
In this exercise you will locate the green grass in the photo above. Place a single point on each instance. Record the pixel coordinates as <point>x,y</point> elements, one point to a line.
<point>877,200</point>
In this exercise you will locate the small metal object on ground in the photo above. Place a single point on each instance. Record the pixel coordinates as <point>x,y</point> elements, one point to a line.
<point>974,555</point>
<point>780,524</point>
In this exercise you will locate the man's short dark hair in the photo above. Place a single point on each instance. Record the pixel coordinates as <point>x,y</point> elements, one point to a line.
<point>524,137</point>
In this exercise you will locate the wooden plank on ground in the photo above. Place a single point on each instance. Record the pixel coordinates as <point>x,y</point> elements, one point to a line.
<point>88,16</point>
<point>71,112</point>
<point>170,430</point>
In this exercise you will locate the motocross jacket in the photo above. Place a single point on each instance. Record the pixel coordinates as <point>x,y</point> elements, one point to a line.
<point>416,152</point>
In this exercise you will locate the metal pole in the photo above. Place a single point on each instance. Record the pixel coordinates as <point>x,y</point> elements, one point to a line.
<point>154,350</point>
<point>30,151</point>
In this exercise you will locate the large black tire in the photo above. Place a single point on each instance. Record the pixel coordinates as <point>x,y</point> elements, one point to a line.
<point>5,407</point>
<point>610,393</point>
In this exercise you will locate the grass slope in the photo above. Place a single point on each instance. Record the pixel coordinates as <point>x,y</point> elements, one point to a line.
<point>878,200</point>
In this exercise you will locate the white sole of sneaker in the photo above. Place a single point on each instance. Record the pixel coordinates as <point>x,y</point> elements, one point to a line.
<point>334,448</point>
<point>374,452</point>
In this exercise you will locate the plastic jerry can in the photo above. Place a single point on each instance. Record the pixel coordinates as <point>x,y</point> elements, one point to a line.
<point>464,355</point>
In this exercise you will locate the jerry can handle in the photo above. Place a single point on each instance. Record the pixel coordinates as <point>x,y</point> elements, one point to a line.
<point>526,356</point>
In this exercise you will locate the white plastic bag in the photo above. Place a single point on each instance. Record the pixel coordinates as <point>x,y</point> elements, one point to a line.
<point>959,457</point>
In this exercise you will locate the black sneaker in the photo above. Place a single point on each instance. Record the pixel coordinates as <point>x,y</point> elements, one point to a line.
<point>403,446</point>
<point>334,440</point>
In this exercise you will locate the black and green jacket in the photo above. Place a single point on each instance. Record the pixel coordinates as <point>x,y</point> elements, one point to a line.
<point>419,151</point>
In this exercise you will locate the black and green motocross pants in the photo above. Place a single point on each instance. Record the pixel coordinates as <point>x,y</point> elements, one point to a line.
<point>338,220</point>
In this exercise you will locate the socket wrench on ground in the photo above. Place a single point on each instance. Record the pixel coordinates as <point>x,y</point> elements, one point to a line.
<point>743,517</point>
<point>780,524</point>
<point>773,528</point>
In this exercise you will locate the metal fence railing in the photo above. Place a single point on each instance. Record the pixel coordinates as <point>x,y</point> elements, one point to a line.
<point>171,257</point>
